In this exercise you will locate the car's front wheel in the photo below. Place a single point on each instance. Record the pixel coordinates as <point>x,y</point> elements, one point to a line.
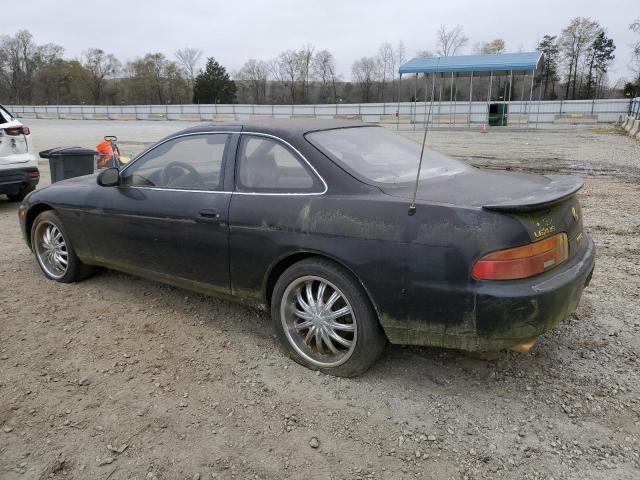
<point>53,250</point>
<point>325,320</point>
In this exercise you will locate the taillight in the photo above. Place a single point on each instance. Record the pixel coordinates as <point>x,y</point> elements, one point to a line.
<point>20,130</point>
<point>523,262</point>
<point>33,174</point>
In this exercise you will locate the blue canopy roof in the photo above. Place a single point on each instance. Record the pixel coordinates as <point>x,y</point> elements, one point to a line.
<point>473,63</point>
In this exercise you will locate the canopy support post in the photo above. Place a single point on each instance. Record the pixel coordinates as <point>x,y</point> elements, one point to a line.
<point>470,99</point>
<point>426,96</point>
<point>509,101</point>
<point>539,97</point>
<point>524,76</point>
<point>489,96</point>
<point>530,98</point>
<point>415,100</point>
<point>398,109</point>
<point>450,98</point>
<point>440,96</point>
<point>455,99</point>
<point>504,103</point>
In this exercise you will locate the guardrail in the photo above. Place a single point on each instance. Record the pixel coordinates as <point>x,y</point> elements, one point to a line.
<point>437,114</point>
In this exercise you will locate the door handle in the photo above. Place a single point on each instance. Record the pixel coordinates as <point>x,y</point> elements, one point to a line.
<point>210,213</point>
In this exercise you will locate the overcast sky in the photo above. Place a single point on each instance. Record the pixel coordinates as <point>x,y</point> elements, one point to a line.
<point>234,31</point>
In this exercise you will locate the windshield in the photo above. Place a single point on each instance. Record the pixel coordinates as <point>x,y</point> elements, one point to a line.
<point>378,155</point>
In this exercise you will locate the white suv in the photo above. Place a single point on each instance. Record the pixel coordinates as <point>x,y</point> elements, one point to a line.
<point>19,173</point>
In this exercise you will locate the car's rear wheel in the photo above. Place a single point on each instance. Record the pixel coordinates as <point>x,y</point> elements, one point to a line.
<point>54,252</point>
<point>325,320</point>
<point>18,197</point>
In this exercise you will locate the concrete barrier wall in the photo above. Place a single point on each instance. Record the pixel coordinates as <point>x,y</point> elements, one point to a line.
<point>632,122</point>
<point>438,114</point>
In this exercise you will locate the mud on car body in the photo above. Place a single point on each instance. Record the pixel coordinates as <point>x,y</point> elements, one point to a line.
<point>309,218</point>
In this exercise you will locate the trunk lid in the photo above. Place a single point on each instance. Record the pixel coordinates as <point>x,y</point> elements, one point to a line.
<point>490,189</point>
<point>544,204</point>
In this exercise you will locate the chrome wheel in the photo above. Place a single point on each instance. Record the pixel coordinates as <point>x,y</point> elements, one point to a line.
<point>318,321</point>
<point>51,249</point>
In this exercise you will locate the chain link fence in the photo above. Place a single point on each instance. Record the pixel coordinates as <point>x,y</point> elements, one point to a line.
<point>415,114</point>
<point>634,108</point>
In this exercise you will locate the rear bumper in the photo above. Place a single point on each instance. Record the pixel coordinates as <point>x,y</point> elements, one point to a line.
<point>516,312</point>
<point>505,314</point>
<point>15,179</point>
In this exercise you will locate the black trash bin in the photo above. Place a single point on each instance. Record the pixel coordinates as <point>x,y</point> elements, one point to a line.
<point>69,162</point>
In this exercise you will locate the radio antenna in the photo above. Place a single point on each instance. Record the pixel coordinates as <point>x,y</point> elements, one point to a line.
<point>412,206</point>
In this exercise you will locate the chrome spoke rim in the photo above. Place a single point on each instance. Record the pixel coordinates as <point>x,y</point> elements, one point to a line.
<point>319,321</point>
<point>51,249</point>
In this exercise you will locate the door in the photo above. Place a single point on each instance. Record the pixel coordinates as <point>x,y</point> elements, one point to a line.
<point>168,218</point>
<point>274,190</point>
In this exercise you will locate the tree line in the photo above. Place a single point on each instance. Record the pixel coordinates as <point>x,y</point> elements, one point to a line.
<point>575,66</point>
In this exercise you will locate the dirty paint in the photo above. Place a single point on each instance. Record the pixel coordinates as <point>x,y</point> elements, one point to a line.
<point>416,269</point>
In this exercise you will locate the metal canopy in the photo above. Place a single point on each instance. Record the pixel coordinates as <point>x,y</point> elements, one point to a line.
<point>507,62</point>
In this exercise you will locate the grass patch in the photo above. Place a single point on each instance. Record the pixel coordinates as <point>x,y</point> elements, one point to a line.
<point>608,130</point>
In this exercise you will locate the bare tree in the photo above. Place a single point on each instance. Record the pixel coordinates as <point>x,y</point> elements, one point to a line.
<point>305,55</point>
<point>285,69</point>
<point>635,52</point>
<point>400,57</point>
<point>188,59</point>
<point>424,54</point>
<point>100,66</point>
<point>574,42</point>
<point>323,69</point>
<point>254,74</point>
<point>400,53</point>
<point>364,72</point>
<point>383,61</point>
<point>396,59</point>
<point>450,42</point>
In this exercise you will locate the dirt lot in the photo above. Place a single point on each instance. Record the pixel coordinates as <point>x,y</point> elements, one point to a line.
<point>181,386</point>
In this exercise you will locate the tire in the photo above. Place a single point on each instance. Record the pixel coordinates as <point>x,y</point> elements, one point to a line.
<point>59,245</point>
<point>18,197</point>
<point>317,333</point>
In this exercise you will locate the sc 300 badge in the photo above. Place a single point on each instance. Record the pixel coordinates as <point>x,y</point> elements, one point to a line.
<point>546,228</point>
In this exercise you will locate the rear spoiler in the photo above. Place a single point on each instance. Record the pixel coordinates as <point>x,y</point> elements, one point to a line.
<point>558,189</point>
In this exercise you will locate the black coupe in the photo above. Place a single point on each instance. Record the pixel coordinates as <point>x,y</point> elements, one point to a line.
<point>311,219</point>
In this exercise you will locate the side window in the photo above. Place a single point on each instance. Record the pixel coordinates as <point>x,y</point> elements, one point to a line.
<point>189,163</point>
<point>265,165</point>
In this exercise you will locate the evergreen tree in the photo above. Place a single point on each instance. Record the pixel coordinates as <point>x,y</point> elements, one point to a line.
<point>550,55</point>
<point>601,56</point>
<point>213,85</point>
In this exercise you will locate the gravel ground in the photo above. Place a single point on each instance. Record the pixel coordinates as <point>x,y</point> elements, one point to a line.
<point>122,378</point>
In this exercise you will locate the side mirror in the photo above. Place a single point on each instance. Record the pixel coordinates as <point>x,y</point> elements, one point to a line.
<point>109,177</point>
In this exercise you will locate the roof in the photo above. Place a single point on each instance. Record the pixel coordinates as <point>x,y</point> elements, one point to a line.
<point>524,61</point>
<point>275,126</point>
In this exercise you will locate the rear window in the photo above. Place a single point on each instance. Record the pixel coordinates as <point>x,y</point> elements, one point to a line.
<point>5,116</point>
<point>375,154</point>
